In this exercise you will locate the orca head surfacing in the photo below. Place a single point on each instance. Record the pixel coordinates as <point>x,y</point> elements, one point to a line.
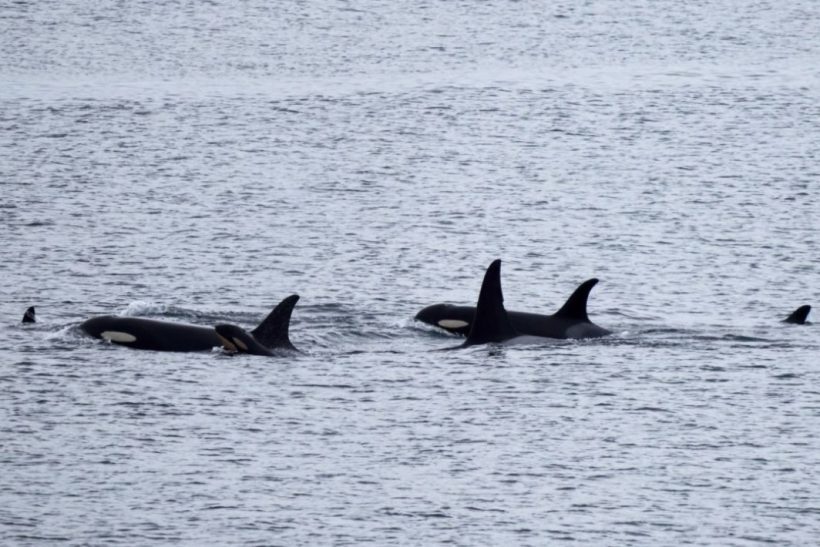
<point>103,324</point>
<point>271,334</point>
<point>454,319</point>
<point>799,316</point>
<point>133,332</point>
<point>237,340</point>
<point>29,316</point>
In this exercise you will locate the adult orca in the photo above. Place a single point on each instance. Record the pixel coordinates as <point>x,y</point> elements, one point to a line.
<point>270,335</point>
<point>140,333</point>
<point>798,316</point>
<point>571,321</point>
<point>29,316</point>
<point>492,324</point>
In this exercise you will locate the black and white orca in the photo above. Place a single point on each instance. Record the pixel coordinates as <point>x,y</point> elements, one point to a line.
<point>799,316</point>
<point>150,334</point>
<point>271,334</point>
<point>492,324</point>
<point>571,321</point>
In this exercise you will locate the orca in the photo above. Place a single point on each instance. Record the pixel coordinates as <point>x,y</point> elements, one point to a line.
<point>270,335</point>
<point>151,334</point>
<point>798,316</point>
<point>571,321</point>
<point>29,316</point>
<point>492,324</point>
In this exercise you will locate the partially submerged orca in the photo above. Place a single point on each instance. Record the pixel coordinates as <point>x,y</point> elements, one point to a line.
<point>29,316</point>
<point>798,316</point>
<point>571,321</point>
<point>491,324</point>
<point>271,334</point>
<point>140,333</point>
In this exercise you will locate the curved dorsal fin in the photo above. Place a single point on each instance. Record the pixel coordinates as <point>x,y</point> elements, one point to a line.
<point>491,323</point>
<point>273,331</point>
<point>576,305</point>
<point>29,317</point>
<point>799,315</point>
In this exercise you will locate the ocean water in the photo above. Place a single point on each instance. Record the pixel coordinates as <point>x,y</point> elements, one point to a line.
<point>200,161</point>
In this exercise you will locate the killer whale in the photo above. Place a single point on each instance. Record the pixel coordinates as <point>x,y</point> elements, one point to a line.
<point>151,334</point>
<point>492,324</point>
<point>29,316</point>
<point>798,316</point>
<point>270,335</point>
<point>571,321</point>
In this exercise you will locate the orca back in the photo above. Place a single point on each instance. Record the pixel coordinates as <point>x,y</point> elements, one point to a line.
<point>453,319</point>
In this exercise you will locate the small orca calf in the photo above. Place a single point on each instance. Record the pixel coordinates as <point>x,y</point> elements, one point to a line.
<point>29,316</point>
<point>491,324</point>
<point>571,321</point>
<point>271,334</point>
<point>798,316</point>
<point>140,333</point>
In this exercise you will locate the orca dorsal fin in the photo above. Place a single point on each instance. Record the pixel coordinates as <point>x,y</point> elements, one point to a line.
<point>798,316</point>
<point>273,331</point>
<point>576,305</point>
<point>491,323</point>
<point>29,316</point>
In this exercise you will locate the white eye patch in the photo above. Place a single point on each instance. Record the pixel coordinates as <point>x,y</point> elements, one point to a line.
<point>227,344</point>
<point>117,336</point>
<point>452,323</point>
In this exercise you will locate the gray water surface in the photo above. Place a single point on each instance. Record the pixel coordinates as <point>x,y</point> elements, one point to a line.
<point>198,162</point>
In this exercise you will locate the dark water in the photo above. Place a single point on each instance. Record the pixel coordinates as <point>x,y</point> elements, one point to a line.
<point>200,161</point>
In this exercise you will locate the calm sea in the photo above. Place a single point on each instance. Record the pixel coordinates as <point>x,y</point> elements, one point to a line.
<point>199,161</point>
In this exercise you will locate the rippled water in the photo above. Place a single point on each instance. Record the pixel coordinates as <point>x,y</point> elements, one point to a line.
<point>200,161</point>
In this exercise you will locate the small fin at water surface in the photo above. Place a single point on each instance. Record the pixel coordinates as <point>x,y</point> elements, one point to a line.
<point>798,316</point>
<point>29,316</point>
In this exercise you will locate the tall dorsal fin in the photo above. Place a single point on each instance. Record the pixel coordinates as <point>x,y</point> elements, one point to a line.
<point>273,331</point>
<point>576,305</point>
<point>491,323</point>
<point>29,317</point>
<point>799,315</point>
